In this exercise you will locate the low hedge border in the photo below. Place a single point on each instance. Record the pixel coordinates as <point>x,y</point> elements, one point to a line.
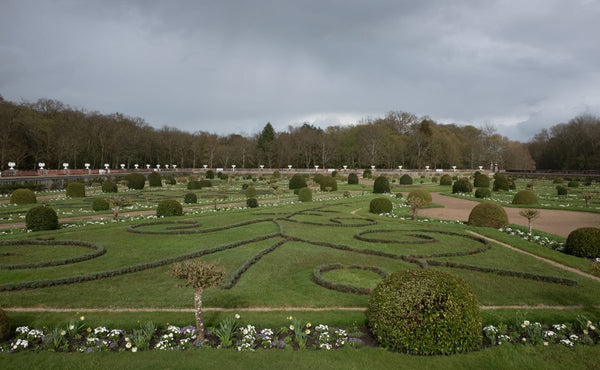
<point>98,250</point>
<point>318,278</point>
<point>236,275</point>
<point>426,238</point>
<point>179,230</point>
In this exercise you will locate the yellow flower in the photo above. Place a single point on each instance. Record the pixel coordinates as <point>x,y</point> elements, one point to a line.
<point>291,327</point>
<point>62,332</point>
<point>89,330</point>
<point>82,318</point>
<point>71,327</point>
<point>290,318</point>
<point>308,325</point>
<point>307,331</point>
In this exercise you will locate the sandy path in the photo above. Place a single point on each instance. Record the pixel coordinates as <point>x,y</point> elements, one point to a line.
<point>551,221</point>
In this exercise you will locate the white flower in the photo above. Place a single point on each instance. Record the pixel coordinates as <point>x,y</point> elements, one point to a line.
<point>237,316</point>
<point>128,345</point>
<point>134,349</point>
<point>545,343</point>
<point>82,318</point>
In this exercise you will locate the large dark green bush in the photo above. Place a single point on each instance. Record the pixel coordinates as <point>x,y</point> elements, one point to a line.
<point>561,190</point>
<point>250,192</point>
<point>488,215</point>
<point>584,242</point>
<point>573,184</point>
<point>380,205</point>
<point>367,174</point>
<point>205,183</point>
<point>328,182</point>
<point>109,187</point>
<point>170,180</point>
<point>317,178</point>
<point>297,182</point>
<point>481,181</point>
<point>100,204</point>
<point>41,218</point>
<point>190,198</point>
<point>501,183</point>
<point>4,326</point>
<point>305,195</point>
<point>135,181</point>
<point>462,185</point>
<point>251,203</point>
<point>22,196</point>
<point>381,185</point>
<point>169,207</point>
<point>194,185</point>
<point>406,179</point>
<point>352,179</point>
<point>210,174</point>
<point>525,197</point>
<point>558,180</point>
<point>425,312</point>
<point>483,193</point>
<point>421,194</point>
<point>75,190</point>
<point>154,179</point>
<point>446,180</point>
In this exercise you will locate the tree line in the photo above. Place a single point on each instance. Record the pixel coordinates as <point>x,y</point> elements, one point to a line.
<point>51,132</point>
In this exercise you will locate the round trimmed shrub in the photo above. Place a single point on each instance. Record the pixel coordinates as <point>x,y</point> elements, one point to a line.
<point>334,174</point>
<point>109,187</point>
<point>222,175</point>
<point>135,181</point>
<point>328,182</point>
<point>210,174</point>
<point>4,326</point>
<point>558,180</point>
<point>317,178</point>
<point>305,195</point>
<point>561,190</point>
<point>422,194</point>
<point>169,207</point>
<point>100,204</point>
<point>170,180</point>
<point>381,185</point>
<point>352,179</point>
<point>573,184</point>
<point>399,195</point>
<point>297,182</point>
<point>193,185</point>
<point>481,180</point>
<point>154,179</point>
<point>41,218</point>
<point>23,196</point>
<point>251,202</point>
<point>584,242</point>
<point>250,192</point>
<point>76,190</point>
<point>425,312</point>
<point>462,185</point>
<point>205,184</point>
<point>525,197</point>
<point>190,198</point>
<point>446,180</point>
<point>488,215</point>
<point>501,183</point>
<point>406,179</point>
<point>380,205</point>
<point>483,193</point>
<point>367,174</point>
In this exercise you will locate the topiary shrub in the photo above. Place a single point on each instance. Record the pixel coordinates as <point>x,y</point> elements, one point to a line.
<point>421,194</point>
<point>380,205</point>
<point>276,174</point>
<point>352,179</point>
<point>170,180</point>
<point>193,185</point>
<point>367,174</point>
<point>210,174</point>
<point>483,193</point>
<point>488,215</point>
<point>425,312</point>
<point>100,204</point>
<point>328,182</point>
<point>462,185</point>
<point>525,197</point>
<point>190,198</point>
<point>446,180</point>
<point>481,181</point>
<point>584,242</point>
<point>561,190</point>
<point>297,182</point>
<point>41,218</point>
<point>135,181</point>
<point>573,184</point>
<point>109,187</point>
<point>205,183</point>
<point>23,196</point>
<point>334,174</point>
<point>406,180</point>
<point>154,179</point>
<point>511,184</point>
<point>251,202</point>
<point>317,178</point>
<point>501,183</point>
<point>222,175</point>
<point>558,180</point>
<point>305,195</point>
<point>4,326</point>
<point>75,190</point>
<point>381,185</point>
<point>169,207</point>
<point>250,192</point>
<point>399,195</point>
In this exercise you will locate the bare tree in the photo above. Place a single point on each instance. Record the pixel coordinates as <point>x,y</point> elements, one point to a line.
<point>530,215</point>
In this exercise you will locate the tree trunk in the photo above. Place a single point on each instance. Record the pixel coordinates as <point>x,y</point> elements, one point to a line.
<point>198,313</point>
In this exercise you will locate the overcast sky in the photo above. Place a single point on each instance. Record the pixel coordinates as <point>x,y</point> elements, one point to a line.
<point>231,66</point>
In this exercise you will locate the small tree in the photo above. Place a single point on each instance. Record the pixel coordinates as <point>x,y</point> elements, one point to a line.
<point>117,203</point>
<point>530,215</point>
<point>415,203</point>
<point>199,275</point>
<point>587,197</point>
